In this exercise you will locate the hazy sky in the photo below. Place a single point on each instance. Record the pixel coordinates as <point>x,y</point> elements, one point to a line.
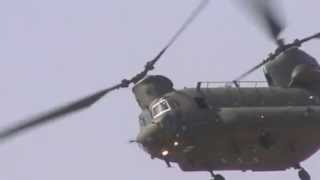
<point>55,51</point>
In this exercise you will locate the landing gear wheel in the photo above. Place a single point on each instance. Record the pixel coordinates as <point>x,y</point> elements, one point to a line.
<point>218,177</point>
<point>304,175</point>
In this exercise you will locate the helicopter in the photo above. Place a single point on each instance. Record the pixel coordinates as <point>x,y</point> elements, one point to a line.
<point>235,127</point>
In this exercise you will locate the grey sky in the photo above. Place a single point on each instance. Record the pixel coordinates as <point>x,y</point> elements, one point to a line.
<point>55,51</point>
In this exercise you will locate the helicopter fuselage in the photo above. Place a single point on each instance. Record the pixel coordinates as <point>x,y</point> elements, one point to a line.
<point>233,128</point>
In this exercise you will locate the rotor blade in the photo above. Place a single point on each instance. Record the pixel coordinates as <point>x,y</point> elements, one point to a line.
<point>273,22</point>
<point>184,26</point>
<point>56,113</point>
<point>191,18</point>
<point>250,71</point>
<point>315,36</point>
<point>266,13</point>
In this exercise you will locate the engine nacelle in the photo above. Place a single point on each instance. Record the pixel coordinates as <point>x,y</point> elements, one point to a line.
<point>151,88</point>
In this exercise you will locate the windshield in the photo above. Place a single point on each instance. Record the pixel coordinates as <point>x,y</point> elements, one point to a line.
<point>160,108</point>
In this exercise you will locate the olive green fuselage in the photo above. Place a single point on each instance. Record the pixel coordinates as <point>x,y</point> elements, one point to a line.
<point>259,129</point>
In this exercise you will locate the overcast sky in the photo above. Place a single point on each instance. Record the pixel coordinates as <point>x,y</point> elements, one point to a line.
<point>52,52</point>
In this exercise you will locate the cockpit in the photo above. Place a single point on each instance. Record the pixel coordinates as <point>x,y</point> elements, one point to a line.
<point>161,107</point>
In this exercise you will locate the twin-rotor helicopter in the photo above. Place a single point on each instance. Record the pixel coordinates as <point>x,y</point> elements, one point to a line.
<point>238,126</point>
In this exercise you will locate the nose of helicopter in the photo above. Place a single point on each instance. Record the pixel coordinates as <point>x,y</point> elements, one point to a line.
<point>161,129</point>
<point>156,137</point>
<point>148,134</point>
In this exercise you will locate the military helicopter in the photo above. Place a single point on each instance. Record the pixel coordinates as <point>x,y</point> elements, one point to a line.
<point>241,125</point>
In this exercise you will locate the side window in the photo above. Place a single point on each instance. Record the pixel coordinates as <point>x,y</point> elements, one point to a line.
<point>201,102</point>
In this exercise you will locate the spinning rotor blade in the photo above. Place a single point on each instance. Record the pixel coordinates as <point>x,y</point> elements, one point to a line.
<point>270,18</point>
<point>315,36</point>
<point>59,112</point>
<point>185,25</point>
<point>89,100</point>
<point>273,23</point>
<point>250,71</point>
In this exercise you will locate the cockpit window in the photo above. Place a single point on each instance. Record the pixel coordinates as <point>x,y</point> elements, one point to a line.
<point>160,108</point>
<point>145,118</point>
